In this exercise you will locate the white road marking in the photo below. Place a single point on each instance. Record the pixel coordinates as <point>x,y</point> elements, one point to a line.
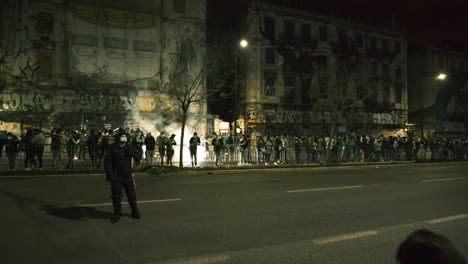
<point>326,189</point>
<point>446,219</point>
<point>199,260</point>
<point>139,202</point>
<point>446,179</point>
<point>345,237</point>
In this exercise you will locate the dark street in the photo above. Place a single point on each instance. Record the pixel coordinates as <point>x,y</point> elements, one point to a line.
<point>307,215</point>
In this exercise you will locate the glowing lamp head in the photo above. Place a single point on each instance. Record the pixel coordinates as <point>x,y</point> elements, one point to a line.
<point>244,43</point>
<point>441,76</point>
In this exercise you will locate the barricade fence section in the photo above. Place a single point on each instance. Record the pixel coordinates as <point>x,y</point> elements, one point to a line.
<point>85,157</point>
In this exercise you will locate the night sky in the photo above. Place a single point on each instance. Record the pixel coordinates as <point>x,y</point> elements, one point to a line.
<point>425,22</point>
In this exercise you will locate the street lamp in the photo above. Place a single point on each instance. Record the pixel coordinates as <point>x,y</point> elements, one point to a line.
<point>440,77</point>
<point>243,44</point>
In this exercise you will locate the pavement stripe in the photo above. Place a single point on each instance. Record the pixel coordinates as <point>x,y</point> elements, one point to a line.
<point>326,189</point>
<point>445,179</point>
<point>139,202</point>
<point>198,260</point>
<point>447,219</point>
<point>345,237</point>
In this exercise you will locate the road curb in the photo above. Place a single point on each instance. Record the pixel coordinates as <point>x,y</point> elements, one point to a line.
<point>210,170</point>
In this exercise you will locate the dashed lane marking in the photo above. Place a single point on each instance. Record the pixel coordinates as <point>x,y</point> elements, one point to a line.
<point>447,219</point>
<point>326,189</point>
<point>345,237</point>
<point>198,260</point>
<point>444,179</point>
<point>139,202</point>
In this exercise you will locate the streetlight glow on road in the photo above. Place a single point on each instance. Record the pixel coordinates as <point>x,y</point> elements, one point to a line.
<point>244,43</point>
<point>441,76</point>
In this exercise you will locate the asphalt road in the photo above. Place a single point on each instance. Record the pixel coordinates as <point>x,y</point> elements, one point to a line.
<point>308,215</point>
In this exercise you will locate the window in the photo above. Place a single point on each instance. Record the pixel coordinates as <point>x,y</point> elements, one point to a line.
<point>385,44</point>
<point>385,69</point>
<point>179,6</point>
<point>323,33</point>
<point>360,40</point>
<point>44,23</point>
<point>305,32</point>
<point>44,63</point>
<point>306,91</point>
<point>373,43</point>
<point>374,68</point>
<point>323,87</point>
<point>269,26</point>
<point>398,93</point>
<point>270,56</point>
<point>441,62</point>
<point>270,85</point>
<point>288,30</point>
<point>361,92</point>
<point>398,47</point>
<point>398,72</point>
<point>386,93</point>
<point>342,36</point>
<point>289,86</point>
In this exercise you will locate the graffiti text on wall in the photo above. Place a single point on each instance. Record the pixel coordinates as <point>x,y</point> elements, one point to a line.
<point>71,102</point>
<point>279,116</point>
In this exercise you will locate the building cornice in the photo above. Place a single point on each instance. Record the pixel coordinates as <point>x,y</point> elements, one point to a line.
<point>337,21</point>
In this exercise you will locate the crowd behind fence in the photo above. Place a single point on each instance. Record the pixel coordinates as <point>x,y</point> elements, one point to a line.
<point>86,150</point>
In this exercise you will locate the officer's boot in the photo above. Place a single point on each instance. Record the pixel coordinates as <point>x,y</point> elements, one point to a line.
<point>135,213</point>
<point>117,210</point>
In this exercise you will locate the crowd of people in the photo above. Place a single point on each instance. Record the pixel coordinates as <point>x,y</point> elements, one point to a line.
<point>68,146</point>
<point>285,149</point>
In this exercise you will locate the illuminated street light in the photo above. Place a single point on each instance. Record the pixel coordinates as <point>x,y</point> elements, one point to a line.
<point>244,43</point>
<point>441,76</point>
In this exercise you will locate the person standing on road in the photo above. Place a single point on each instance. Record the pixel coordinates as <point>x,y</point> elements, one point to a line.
<point>27,147</point>
<point>260,146</point>
<point>72,149</point>
<point>150,142</point>
<point>217,143</point>
<point>170,143</point>
<point>58,143</point>
<point>119,173</point>
<point>38,141</point>
<point>297,148</point>
<point>161,143</point>
<point>193,143</point>
<point>11,149</point>
<point>138,141</point>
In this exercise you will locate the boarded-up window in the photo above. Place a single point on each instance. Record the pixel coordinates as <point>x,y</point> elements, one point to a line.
<point>44,63</point>
<point>179,6</point>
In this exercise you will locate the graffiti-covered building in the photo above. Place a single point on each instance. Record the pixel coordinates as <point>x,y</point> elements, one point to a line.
<point>86,63</point>
<point>299,64</point>
<point>438,91</point>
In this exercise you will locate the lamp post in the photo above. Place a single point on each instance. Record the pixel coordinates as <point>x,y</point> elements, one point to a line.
<point>243,44</point>
<point>440,77</point>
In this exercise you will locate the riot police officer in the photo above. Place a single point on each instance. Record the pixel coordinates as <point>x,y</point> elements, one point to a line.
<point>119,173</point>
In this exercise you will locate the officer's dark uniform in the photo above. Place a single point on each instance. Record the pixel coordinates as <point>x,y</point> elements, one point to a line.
<point>119,173</point>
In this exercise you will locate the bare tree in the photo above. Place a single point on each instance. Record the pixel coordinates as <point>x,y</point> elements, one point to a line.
<point>350,83</point>
<point>187,79</point>
<point>15,42</point>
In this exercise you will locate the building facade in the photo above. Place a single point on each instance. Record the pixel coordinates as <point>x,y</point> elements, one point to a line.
<point>293,70</point>
<point>84,63</point>
<point>438,91</point>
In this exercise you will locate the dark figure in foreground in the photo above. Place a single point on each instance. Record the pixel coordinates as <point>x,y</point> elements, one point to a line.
<point>119,173</point>
<point>424,246</point>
